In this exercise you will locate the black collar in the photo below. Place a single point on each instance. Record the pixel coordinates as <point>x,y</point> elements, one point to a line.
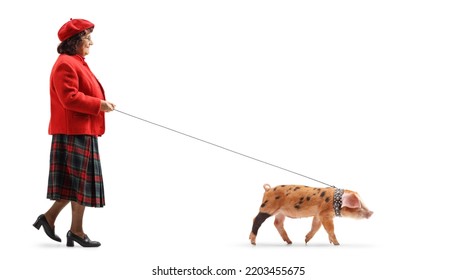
<point>337,204</point>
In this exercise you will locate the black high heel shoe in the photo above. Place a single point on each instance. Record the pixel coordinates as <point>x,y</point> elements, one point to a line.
<point>41,221</point>
<point>84,242</point>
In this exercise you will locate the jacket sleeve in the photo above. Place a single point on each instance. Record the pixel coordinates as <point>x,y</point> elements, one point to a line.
<point>66,85</point>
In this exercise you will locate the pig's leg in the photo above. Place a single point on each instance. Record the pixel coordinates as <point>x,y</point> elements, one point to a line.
<point>316,224</point>
<point>328,224</point>
<point>278,222</point>
<point>257,221</point>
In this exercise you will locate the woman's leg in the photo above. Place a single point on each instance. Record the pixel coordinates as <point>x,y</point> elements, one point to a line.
<point>47,220</point>
<point>54,211</point>
<point>76,232</point>
<point>77,214</point>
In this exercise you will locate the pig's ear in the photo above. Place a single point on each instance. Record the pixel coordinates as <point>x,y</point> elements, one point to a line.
<point>350,200</point>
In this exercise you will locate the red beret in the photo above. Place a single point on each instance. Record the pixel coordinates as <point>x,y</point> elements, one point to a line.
<point>73,27</point>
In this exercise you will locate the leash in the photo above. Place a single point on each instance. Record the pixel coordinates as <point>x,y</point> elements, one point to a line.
<point>221,147</point>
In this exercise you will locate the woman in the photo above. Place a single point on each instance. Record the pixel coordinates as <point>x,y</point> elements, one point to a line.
<point>77,118</point>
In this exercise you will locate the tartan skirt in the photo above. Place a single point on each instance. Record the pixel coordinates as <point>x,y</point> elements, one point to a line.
<point>75,170</point>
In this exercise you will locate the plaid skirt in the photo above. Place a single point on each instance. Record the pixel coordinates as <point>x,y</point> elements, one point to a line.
<point>75,170</point>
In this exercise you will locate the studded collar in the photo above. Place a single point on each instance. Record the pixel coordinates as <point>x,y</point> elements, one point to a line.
<point>337,204</point>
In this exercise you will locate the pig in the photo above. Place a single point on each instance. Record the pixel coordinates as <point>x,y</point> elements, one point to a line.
<point>298,201</point>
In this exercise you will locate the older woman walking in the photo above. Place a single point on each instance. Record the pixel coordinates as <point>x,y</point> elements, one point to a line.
<point>78,107</point>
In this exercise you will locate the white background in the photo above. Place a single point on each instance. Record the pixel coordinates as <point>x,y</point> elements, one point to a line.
<point>358,94</point>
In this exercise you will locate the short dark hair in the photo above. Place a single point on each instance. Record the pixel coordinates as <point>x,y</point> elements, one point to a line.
<point>70,45</point>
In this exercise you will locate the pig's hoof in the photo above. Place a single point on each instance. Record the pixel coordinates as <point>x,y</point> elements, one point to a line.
<point>252,238</point>
<point>308,237</point>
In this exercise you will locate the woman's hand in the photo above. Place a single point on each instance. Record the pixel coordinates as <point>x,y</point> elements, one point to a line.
<point>107,106</point>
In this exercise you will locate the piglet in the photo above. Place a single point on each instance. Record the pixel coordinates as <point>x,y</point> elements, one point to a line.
<point>295,201</point>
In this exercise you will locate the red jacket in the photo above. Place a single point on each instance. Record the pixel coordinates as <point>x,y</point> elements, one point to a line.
<point>75,98</point>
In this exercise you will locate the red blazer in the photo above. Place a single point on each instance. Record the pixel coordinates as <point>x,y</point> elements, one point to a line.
<point>75,98</point>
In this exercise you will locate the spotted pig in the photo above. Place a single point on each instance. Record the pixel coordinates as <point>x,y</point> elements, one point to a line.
<point>295,201</point>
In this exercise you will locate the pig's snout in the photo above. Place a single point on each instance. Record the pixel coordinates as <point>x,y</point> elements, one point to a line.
<point>360,213</point>
<point>365,213</point>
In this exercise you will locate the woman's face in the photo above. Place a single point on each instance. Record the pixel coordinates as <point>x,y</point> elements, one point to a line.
<point>84,47</point>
